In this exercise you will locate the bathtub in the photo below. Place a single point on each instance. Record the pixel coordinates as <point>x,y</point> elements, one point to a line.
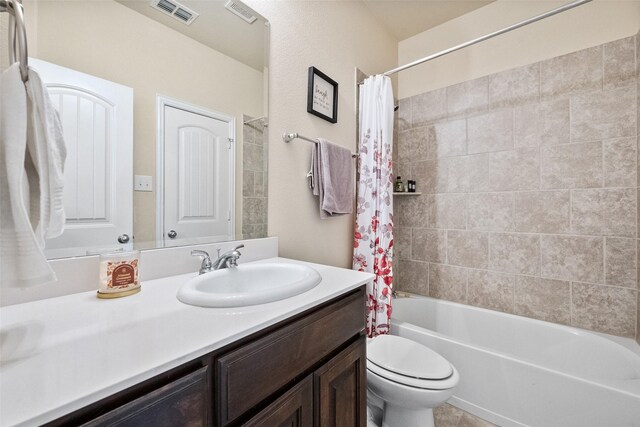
<point>516,371</point>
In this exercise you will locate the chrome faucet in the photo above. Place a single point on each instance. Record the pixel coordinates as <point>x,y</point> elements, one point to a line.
<point>206,260</point>
<point>226,260</point>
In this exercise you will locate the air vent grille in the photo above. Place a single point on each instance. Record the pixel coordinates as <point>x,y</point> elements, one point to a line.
<point>183,14</point>
<point>175,10</point>
<point>167,6</point>
<point>241,10</point>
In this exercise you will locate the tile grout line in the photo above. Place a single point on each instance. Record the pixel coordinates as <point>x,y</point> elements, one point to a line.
<point>602,61</point>
<point>532,276</point>
<point>531,233</point>
<point>429,279</point>
<point>570,211</point>
<point>602,160</point>
<point>571,313</point>
<point>466,290</point>
<point>540,256</point>
<point>604,261</point>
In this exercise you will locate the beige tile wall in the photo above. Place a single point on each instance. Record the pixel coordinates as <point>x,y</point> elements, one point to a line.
<point>529,181</point>
<point>254,180</point>
<point>638,180</point>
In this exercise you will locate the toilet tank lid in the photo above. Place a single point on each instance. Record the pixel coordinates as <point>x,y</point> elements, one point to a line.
<point>406,357</point>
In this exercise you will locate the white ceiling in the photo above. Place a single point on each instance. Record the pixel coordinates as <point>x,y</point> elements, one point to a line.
<point>406,18</point>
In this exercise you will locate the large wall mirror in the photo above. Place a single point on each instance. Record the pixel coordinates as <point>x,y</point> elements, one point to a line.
<point>164,109</point>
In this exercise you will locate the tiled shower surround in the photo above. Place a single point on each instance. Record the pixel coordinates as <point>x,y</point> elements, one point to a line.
<point>529,181</point>
<point>254,180</point>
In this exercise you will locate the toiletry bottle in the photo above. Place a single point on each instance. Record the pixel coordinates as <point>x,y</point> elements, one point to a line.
<point>399,187</point>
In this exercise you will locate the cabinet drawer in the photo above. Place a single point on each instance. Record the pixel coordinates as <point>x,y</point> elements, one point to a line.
<point>183,402</point>
<point>248,375</point>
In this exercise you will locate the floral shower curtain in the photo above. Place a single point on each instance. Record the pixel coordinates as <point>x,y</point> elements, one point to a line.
<point>373,242</point>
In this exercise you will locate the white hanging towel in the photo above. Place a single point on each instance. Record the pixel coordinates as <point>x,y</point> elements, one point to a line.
<point>32,156</point>
<point>45,142</point>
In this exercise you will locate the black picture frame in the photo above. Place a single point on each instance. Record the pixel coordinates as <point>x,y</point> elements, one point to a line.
<point>322,96</point>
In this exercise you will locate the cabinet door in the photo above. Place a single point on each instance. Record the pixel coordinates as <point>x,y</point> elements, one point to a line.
<point>183,402</point>
<point>341,388</point>
<point>292,409</point>
<point>252,373</point>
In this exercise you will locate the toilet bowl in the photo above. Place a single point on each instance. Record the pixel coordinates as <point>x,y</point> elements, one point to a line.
<point>408,380</point>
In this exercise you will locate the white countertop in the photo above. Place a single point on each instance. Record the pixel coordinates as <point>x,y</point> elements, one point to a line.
<point>61,354</point>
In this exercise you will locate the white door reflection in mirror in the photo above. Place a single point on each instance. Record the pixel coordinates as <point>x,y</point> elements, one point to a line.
<point>97,121</point>
<point>198,176</point>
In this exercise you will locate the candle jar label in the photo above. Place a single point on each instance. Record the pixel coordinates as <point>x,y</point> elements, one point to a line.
<point>123,275</point>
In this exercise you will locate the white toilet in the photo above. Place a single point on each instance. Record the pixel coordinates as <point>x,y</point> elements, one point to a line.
<point>407,380</point>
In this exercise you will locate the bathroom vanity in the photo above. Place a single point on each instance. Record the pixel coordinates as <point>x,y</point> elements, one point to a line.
<point>298,361</point>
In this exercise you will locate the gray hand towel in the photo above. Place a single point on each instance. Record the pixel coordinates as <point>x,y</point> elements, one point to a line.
<point>332,178</point>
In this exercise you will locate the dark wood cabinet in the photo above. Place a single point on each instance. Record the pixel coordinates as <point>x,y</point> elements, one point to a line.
<point>341,389</point>
<point>304,371</point>
<point>183,402</point>
<point>292,409</point>
<point>258,369</point>
<point>335,395</point>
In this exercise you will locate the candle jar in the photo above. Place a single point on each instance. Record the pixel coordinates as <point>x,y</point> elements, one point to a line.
<point>119,274</point>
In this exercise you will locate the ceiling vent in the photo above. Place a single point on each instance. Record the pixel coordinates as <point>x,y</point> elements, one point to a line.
<point>175,10</point>
<point>241,10</point>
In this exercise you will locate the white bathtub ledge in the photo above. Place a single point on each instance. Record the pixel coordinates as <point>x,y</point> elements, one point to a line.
<point>625,342</point>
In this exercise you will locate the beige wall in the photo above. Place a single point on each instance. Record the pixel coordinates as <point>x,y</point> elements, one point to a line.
<point>585,26</point>
<point>108,40</point>
<point>335,37</point>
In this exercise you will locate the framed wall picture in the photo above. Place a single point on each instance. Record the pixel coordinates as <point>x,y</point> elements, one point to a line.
<point>322,96</point>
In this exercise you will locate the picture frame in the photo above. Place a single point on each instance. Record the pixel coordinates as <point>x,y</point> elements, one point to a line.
<point>322,96</point>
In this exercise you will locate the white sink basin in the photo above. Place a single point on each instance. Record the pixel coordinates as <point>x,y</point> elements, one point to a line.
<point>248,284</point>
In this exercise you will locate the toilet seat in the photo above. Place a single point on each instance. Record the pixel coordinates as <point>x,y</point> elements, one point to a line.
<point>407,362</point>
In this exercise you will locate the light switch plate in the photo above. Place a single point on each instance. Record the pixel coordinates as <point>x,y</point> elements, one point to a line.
<point>142,183</point>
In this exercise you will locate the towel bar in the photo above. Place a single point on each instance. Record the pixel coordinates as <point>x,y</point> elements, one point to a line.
<point>288,137</point>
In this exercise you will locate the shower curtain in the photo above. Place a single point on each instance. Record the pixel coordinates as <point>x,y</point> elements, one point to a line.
<point>373,240</point>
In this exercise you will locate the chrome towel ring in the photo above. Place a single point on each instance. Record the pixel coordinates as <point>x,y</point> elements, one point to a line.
<point>17,35</point>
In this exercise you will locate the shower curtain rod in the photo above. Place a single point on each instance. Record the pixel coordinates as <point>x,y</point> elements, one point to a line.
<point>490,35</point>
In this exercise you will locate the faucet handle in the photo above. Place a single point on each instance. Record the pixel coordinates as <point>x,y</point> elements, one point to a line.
<point>202,254</point>
<point>234,254</point>
<point>206,260</point>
